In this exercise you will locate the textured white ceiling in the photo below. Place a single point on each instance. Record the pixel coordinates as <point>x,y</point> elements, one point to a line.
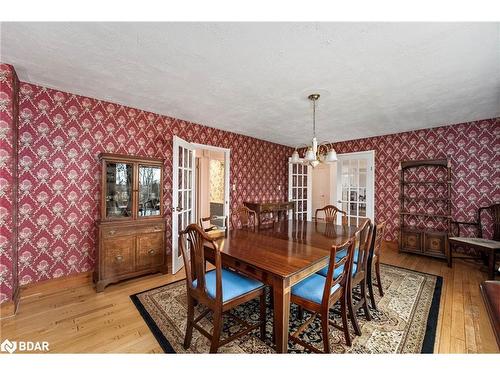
<point>253,78</point>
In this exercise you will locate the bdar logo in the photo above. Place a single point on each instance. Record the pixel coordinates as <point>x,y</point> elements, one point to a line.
<point>8,346</point>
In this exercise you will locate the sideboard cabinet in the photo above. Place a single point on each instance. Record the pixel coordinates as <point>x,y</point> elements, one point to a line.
<point>131,229</point>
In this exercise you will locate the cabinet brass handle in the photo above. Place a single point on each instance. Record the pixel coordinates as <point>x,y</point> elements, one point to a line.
<point>112,232</point>
<point>151,252</point>
<point>119,258</point>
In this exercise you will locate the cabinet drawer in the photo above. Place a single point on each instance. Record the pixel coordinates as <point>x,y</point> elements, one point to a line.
<point>435,244</point>
<point>119,256</point>
<point>150,228</point>
<point>115,231</point>
<point>412,241</point>
<point>150,250</point>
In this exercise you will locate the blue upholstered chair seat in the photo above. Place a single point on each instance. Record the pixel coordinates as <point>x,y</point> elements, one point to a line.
<point>233,284</point>
<point>312,288</point>
<point>324,271</point>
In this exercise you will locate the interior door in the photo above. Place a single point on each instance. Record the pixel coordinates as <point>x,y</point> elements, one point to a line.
<point>300,190</point>
<point>355,185</point>
<point>183,196</point>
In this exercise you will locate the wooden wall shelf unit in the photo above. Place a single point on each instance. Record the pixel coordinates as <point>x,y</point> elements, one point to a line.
<point>131,230</point>
<point>425,185</point>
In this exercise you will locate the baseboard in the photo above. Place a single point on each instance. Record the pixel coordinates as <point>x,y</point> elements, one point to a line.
<point>393,245</point>
<point>9,308</point>
<point>70,281</point>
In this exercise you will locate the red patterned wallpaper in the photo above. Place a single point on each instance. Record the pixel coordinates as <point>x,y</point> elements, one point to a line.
<point>60,137</point>
<point>474,151</point>
<point>8,189</point>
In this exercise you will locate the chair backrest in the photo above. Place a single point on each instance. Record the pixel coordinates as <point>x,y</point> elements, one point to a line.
<point>266,219</point>
<point>331,214</point>
<point>192,241</point>
<point>244,218</point>
<point>334,264</point>
<point>205,222</point>
<point>378,237</point>
<point>494,212</point>
<point>364,239</point>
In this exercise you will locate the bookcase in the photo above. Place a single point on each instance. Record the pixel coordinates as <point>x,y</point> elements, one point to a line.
<point>425,207</point>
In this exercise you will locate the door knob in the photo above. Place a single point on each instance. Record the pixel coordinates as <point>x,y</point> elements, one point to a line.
<point>151,252</point>
<point>119,258</point>
<point>339,201</point>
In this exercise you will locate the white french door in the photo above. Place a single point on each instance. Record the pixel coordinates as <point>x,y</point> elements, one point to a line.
<point>355,185</point>
<point>183,196</point>
<point>300,190</point>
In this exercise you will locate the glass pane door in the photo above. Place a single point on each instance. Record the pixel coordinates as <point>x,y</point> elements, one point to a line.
<point>118,190</point>
<point>355,186</point>
<point>149,190</point>
<point>183,200</point>
<point>299,190</point>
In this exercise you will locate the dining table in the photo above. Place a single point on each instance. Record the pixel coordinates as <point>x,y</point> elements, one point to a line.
<point>281,256</point>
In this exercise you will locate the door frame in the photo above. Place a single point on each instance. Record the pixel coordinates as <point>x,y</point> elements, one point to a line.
<point>227,173</point>
<point>371,154</point>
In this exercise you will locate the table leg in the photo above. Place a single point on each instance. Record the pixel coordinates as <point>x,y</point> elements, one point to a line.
<point>491,265</point>
<point>281,296</point>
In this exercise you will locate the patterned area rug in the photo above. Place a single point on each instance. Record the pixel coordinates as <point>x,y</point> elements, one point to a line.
<point>404,323</point>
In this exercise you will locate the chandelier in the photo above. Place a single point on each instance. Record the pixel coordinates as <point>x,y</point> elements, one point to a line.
<point>316,153</point>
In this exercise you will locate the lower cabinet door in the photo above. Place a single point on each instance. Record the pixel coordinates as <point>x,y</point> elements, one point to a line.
<point>435,244</point>
<point>412,241</point>
<point>119,256</point>
<point>150,250</point>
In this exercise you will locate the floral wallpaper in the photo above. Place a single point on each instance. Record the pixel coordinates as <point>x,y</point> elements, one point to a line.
<point>60,138</point>
<point>216,180</point>
<point>8,181</point>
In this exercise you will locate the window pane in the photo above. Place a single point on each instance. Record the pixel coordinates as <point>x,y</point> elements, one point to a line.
<point>118,189</point>
<point>149,190</point>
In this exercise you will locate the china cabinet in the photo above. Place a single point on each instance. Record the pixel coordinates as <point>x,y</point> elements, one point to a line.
<point>131,229</point>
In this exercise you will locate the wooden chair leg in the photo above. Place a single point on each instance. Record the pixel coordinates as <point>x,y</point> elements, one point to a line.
<point>216,332</point>
<point>370,292</point>
<point>301,313</point>
<point>345,322</point>
<point>379,279</point>
<point>365,300</point>
<point>325,331</point>
<point>263,309</point>
<point>189,325</point>
<point>352,313</point>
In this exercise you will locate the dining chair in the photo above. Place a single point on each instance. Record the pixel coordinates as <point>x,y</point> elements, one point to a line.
<point>358,276</point>
<point>205,223</point>
<point>374,260</point>
<point>244,218</point>
<point>331,214</point>
<point>266,219</point>
<point>219,290</point>
<point>358,272</point>
<point>318,294</point>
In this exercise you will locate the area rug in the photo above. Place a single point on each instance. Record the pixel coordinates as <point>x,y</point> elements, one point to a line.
<point>405,321</point>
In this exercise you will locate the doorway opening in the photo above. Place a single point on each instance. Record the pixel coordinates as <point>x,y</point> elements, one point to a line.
<point>196,192</point>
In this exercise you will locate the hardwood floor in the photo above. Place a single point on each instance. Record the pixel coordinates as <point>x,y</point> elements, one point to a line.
<point>73,318</point>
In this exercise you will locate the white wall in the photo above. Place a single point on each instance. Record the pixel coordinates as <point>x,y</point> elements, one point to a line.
<point>324,188</point>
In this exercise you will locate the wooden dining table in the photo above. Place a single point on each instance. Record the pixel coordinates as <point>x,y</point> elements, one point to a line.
<point>280,257</point>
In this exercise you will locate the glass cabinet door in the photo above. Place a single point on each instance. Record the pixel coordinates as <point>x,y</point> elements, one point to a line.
<point>149,191</point>
<point>118,189</point>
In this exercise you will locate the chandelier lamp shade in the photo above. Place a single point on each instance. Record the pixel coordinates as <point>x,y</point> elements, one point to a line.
<point>315,153</point>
